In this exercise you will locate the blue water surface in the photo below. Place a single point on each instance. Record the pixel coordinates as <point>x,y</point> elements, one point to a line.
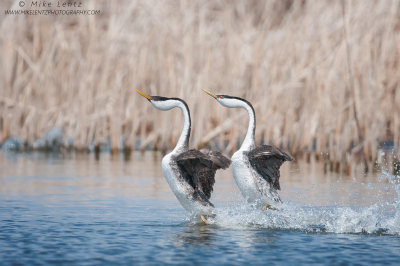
<point>62,218</point>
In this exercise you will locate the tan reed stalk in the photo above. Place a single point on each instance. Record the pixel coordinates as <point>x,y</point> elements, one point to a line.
<point>289,58</point>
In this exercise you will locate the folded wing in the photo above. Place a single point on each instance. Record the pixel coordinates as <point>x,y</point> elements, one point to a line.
<point>267,161</point>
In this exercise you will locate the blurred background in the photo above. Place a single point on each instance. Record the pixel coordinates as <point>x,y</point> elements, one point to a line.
<point>323,77</point>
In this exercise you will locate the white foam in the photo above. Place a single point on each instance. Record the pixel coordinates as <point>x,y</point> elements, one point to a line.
<point>379,218</point>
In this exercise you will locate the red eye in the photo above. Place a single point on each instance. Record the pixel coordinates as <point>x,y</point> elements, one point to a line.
<point>220,97</point>
<point>154,98</point>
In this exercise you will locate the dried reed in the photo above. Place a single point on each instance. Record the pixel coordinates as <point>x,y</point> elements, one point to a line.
<point>290,58</point>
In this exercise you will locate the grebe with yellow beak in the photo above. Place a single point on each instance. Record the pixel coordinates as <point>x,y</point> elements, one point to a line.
<point>255,169</point>
<point>189,173</point>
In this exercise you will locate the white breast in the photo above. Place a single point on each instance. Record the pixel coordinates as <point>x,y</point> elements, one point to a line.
<point>252,186</point>
<point>182,190</point>
<point>243,175</point>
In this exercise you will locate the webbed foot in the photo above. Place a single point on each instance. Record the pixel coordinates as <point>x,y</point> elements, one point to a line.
<point>269,207</point>
<point>203,219</point>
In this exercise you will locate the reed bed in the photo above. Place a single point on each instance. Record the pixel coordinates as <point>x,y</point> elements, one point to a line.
<point>323,75</point>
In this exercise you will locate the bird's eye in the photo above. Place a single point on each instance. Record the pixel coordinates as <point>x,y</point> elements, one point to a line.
<point>154,98</point>
<point>220,97</point>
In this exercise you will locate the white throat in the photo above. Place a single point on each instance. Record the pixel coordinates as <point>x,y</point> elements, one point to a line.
<point>183,141</point>
<point>249,140</point>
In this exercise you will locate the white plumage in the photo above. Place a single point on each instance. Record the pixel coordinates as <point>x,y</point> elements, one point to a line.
<point>189,173</point>
<point>255,169</point>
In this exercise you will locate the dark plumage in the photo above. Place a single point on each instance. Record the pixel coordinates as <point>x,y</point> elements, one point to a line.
<point>267,160</point>
<point>198,169</point>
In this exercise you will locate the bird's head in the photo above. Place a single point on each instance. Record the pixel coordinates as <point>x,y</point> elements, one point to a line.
<point>228,101</point>
<point>161,103</point>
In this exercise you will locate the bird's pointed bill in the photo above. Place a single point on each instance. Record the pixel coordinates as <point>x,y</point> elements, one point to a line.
<point>144,95</point>
<point>209,93</point>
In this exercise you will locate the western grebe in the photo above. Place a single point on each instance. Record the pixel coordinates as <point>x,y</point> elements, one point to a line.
<point>255,169</point>
<point>189,173</point>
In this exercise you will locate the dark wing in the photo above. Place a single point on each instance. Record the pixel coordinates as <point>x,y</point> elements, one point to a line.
<point>199,168</point>
<point>267,160</point>
<point>219,160</point>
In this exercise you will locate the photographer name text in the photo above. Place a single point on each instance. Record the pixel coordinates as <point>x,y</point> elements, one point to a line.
<point>49,4</point>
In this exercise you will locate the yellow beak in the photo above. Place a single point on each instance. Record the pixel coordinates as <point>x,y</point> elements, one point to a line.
<point>209,93</point>
<point>144,95</point>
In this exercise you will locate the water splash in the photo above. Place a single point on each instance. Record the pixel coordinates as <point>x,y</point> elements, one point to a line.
<point>379,218</point>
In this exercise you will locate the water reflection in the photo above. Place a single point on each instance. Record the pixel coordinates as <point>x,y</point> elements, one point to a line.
<point>141,176</point>
<point>195,235</point>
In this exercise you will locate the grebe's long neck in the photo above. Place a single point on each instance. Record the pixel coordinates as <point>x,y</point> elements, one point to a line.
<point>249,140</point>
<point>183,142</point>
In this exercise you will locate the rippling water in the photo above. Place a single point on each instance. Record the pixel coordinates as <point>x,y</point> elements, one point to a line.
<point>77,210</point>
